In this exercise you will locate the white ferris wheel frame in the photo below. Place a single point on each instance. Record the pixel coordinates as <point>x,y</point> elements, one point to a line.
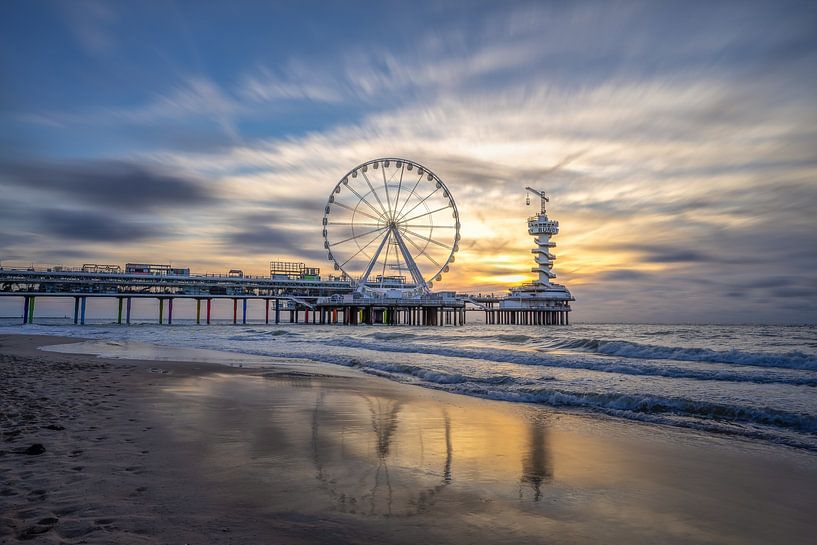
<point>390,221</point>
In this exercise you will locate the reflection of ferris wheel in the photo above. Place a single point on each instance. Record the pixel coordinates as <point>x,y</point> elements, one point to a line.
<point>392,223</point>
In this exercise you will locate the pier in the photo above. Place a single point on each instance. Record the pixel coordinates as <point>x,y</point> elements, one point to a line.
<point>391,228</point>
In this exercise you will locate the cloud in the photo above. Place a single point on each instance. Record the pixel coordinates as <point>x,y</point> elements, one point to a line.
<point>84,225</point>
<point>116,184</point>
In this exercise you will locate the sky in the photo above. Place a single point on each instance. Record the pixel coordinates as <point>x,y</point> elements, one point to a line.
<point>678,140</point>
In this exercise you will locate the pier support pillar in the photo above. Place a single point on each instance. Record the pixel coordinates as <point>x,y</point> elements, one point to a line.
<point>161,309</point>
<point>235,311</point>
<point>82,311</point>
<point>277,311</point>
<point>567,318</point>
<point>306,315</point>
<point>266,311</point>
<point>127,310</point>
<point>119,311</point>
<point>209,305</point>
<point>25,309</point>
<point>76,310</point>
<point>244,312</point>
<point>170,311</point>
<point>198,311</point>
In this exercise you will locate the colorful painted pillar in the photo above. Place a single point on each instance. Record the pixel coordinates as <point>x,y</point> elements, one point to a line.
<point>306,315</point>
<point>31,310</point>
<point>244,311</point>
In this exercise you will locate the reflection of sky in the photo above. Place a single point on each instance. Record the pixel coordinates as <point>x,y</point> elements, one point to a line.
<point>677,140</point>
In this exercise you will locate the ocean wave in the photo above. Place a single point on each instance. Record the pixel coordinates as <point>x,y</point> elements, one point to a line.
<point>391,336</point>
<point>437,377</point>
<point>629,349</point>
<point>654,405</point>
<point>403,336</point>
<point>570,362</point>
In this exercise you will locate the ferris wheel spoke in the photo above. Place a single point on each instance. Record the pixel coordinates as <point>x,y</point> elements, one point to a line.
<point>418,204</point>
<point>417,226</point>
<point>399,185</point>
<point>386,185</point>
<point>405,202</point>
<point>429,239</point>
<point>397,258</point>
<point>358,236</point>
<point>364,201</point>
<point>422,252</point>
<point>386,259</point>
<point>355,224</point>
<point>400,222</point>
<point>357,253</point>
<point>356,211</point>
<point>376,196</point>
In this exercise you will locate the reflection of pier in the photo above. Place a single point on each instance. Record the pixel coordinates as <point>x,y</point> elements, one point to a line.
<point>384,415</point>
<point>536,464</point>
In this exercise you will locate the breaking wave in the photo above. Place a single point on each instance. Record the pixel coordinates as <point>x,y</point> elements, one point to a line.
<point>571,362</point>
<point>629,349</point>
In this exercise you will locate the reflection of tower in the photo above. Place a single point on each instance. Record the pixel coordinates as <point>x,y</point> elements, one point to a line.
<point>536,465</point>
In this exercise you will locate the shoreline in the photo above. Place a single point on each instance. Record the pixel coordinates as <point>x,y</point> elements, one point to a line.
<point>202,452</point>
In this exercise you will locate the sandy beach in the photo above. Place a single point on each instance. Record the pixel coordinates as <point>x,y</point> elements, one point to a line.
<point>101,450</point>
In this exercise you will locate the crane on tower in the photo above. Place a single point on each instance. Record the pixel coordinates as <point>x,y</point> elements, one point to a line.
<point>541,194</point>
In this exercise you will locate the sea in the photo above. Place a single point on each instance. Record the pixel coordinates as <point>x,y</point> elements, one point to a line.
<point>750,381</point>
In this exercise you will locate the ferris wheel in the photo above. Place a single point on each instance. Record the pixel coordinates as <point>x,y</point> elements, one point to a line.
<point>391,224</point>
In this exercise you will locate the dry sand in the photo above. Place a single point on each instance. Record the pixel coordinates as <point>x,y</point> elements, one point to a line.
<point>175,452</point>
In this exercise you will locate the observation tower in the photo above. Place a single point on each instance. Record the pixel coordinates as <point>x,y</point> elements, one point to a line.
<point>541,302</point>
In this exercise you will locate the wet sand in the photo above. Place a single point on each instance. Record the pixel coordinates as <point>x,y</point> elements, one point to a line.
<point>199,452</point>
